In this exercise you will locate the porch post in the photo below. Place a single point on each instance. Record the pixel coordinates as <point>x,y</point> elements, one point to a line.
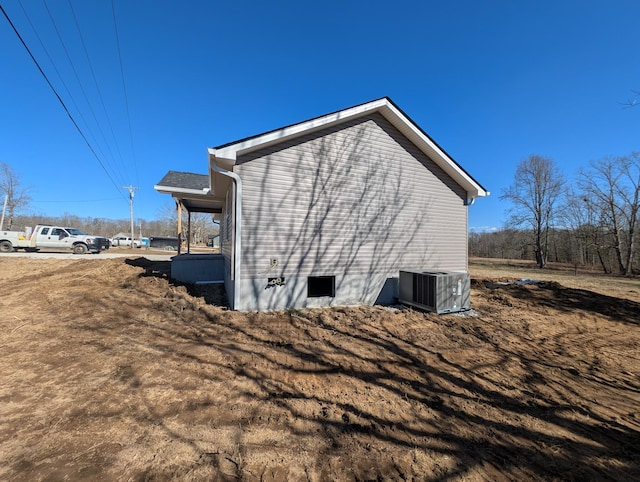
<point>179,226</point>
<point>188,232</point>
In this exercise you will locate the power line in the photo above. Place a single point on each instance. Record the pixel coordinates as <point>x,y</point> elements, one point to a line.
<point>124,89</point>
<point>77,76</point>
<point>95,81</point>
<point>57,96</point>
<point>67,201</point>
<point>61,78</point>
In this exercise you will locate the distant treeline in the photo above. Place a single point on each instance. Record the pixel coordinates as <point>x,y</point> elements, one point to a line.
<point>587,247</point>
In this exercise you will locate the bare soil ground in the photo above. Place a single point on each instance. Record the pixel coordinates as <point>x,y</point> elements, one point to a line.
<point>108,371</point>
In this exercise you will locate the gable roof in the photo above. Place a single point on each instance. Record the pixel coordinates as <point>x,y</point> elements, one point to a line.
<point>225,156</point>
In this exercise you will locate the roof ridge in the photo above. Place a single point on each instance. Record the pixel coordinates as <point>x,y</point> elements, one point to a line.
<point>248,138</point>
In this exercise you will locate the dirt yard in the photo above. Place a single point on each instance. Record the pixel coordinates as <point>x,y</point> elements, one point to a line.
<point>110,372</point>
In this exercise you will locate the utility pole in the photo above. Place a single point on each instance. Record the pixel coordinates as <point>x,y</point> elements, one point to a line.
<point>131,191</point>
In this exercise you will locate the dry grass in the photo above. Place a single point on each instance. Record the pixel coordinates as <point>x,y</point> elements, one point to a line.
<point>109,372</point>
<point>569,276</point>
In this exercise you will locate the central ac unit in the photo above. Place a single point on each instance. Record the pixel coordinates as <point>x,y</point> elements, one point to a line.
<point>439,291</point>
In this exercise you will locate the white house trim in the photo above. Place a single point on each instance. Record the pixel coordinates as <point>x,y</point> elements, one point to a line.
<point>181,190</point>
<point>226,156</point>
<point>237,235</point>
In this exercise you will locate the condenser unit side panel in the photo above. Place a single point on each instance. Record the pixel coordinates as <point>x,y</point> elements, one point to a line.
<point>454,293</point>
<point>405,289</point>
<point>466,294</point>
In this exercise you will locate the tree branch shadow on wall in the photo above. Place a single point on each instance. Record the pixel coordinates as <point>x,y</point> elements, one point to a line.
<point>344,214</point>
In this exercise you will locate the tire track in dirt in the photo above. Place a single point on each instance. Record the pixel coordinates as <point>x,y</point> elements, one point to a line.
<point>119,374</point>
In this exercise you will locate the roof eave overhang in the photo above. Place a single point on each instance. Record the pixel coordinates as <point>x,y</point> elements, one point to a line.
<point>219,184</point>
<point>194,200</point>
<point>429,147</point>
<point>233,151</point>
<point>226,156</point>
<point>181,190</point>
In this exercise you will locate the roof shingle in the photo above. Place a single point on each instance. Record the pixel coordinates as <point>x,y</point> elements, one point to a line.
<point>185,180</point>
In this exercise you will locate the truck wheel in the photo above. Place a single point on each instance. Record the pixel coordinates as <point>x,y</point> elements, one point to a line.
<point>79,248</point>
<point>6,247</point>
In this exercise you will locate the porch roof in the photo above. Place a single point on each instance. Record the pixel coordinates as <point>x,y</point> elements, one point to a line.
<point>191,190</point>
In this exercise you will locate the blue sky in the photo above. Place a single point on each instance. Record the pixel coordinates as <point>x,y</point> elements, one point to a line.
<point>492,82</point>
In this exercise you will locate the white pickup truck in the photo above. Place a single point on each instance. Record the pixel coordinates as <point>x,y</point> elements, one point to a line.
<point>125,241</point>
<point>52,237</point>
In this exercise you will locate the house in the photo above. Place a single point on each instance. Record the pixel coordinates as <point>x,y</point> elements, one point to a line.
<point>328,211</point>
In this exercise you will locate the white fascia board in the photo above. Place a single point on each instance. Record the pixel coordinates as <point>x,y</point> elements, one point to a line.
<point>223,161</point>
<point>218,182</point>
<point>181,190</point>
<point>434,152</point>
<point>230,152</point>
<point>226,157</point>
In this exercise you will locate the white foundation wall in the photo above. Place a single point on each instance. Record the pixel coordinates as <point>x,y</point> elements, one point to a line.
<point>351,290</point>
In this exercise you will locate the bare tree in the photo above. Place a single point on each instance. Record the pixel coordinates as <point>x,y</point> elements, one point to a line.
<point>612,186</point>
<point>536,189</point>
<point>201,226</point>
<point>167,220</point>
<point>11,187</point>
<point>505,243</point>
<point>201,223</point>
<point>582,218</point>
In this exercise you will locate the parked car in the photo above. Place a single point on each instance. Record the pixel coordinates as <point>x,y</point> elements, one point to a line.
<point>125,241</point>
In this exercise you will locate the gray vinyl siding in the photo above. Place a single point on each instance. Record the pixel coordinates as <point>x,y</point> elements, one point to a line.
<point>356,199</point>
<point>227,243</point>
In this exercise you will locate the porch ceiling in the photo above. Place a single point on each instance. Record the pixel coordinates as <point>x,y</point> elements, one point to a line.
<point>202,205</point>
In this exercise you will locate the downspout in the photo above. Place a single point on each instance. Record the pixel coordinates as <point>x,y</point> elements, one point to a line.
<point>236,228</point>
<point>468,202</point>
